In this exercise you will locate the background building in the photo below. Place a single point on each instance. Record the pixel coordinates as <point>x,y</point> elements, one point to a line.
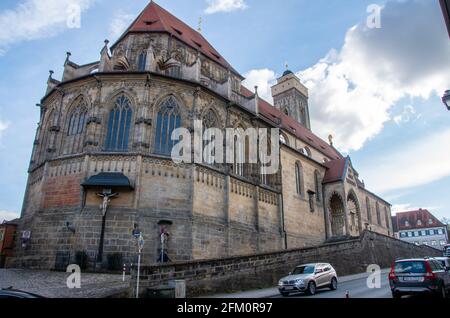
<point>105,129</point>
<point>7,240</point>
<point>421,228</point>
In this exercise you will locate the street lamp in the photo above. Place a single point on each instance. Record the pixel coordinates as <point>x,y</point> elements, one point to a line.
<point>446,99</point>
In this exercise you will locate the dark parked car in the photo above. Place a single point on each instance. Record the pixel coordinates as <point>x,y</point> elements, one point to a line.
<point>17,294</point>
<point>419,276</point>
<point>445,261</point>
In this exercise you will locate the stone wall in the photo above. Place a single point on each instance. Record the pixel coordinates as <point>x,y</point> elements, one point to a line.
<point>264,270</point>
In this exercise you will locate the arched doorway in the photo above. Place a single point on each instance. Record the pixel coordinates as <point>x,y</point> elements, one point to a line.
<point>337,216</point>
<point>354,213</point>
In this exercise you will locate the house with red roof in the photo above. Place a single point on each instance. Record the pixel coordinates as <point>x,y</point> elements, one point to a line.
<point>420,227</point>
<point>102,165</point>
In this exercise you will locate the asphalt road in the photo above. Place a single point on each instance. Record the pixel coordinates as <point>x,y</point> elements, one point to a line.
<point>357,289</point>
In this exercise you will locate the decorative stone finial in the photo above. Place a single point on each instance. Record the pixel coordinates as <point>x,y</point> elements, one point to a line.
<point>256,89</point>
<point>68,57</point>
<point>51,74</point>
<point>330,139</point>
<point>200,21</point>
<point>106,42</point>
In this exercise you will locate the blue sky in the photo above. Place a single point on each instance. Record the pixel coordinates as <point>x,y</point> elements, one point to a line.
<point>376,90</point>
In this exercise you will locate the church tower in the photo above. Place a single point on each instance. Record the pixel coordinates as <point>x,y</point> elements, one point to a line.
<point>291,97</point>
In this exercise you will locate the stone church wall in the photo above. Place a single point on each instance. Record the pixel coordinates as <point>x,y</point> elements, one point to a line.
<point>265,270</point>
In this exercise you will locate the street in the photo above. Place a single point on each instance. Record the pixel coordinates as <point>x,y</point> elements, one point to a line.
<point>356,285</point>
<point>357,288</point>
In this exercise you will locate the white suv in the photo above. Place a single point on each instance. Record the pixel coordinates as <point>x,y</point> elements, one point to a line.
<point>308,278</point>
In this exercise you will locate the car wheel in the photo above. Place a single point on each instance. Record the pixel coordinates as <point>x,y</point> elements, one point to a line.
<point>334,284</point>
<point>311,288</point>
<point>443,293</point>
<point>396,295</point>
<point>285,294</point>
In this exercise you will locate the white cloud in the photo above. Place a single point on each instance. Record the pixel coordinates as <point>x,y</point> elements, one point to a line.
<point>119,24</point>
<point>36,19</point>
<point>8,216</point>
<point>417,163</point>
<point>215,6</point>
<point>409,114</point>
<point>264,79</point>
<point>352,90</point>
<point>3,127</point>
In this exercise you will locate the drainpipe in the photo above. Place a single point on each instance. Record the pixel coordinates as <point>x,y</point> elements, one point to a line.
<point>283,225</point>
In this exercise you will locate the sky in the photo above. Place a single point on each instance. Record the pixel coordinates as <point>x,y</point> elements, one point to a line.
<point>376,88</point>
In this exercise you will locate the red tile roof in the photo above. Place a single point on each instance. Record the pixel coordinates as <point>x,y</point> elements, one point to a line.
<point>156,19</point>
<point>413,218</point>
<point>291,125</point>
<point>336,170</point>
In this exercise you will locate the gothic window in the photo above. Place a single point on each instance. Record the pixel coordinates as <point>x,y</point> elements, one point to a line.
<point>306,151</point>
<point>73,141</point>
<point>142,61</point>
<point>386,214</point>
<point>303,117</point>
<point>317,186</point>
<point>299,178</point>
<point>284,140</point>
<point>119,123</point>
<point>239,156</point>
<point>210,121</point>
<point>378,214</point>
<point>174,71</point>
<point>369,212</point>
<point>168,119</point>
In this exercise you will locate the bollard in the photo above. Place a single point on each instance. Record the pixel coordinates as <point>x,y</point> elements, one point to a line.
<point>347,294</point>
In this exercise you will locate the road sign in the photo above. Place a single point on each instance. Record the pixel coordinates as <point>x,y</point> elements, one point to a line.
<point>141,242</point>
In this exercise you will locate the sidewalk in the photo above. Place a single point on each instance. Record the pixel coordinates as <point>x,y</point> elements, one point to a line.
<point>272,292</point>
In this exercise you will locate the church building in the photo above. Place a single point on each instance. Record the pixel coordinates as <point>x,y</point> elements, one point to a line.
<point>101,171</point>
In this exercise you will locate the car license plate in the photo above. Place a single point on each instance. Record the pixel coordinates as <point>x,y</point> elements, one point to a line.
<point>289,288</point>
<point>413,279</point>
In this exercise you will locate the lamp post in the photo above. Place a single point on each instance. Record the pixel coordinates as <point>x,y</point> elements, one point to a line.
<point>141,243</point>
<point>446,99</point>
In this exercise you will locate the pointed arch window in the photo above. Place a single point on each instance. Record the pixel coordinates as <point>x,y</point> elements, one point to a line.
<point>168,120</point>
<point>386,214</point>
<point>299,178</point>
<point>369,212</point>
<point>73,142</point>
<point>142,61</point>
<point>210,121</point>
<point>119,123</point>
<point>378,213</point>
<point>317,186</point>
<point>239,156</point>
